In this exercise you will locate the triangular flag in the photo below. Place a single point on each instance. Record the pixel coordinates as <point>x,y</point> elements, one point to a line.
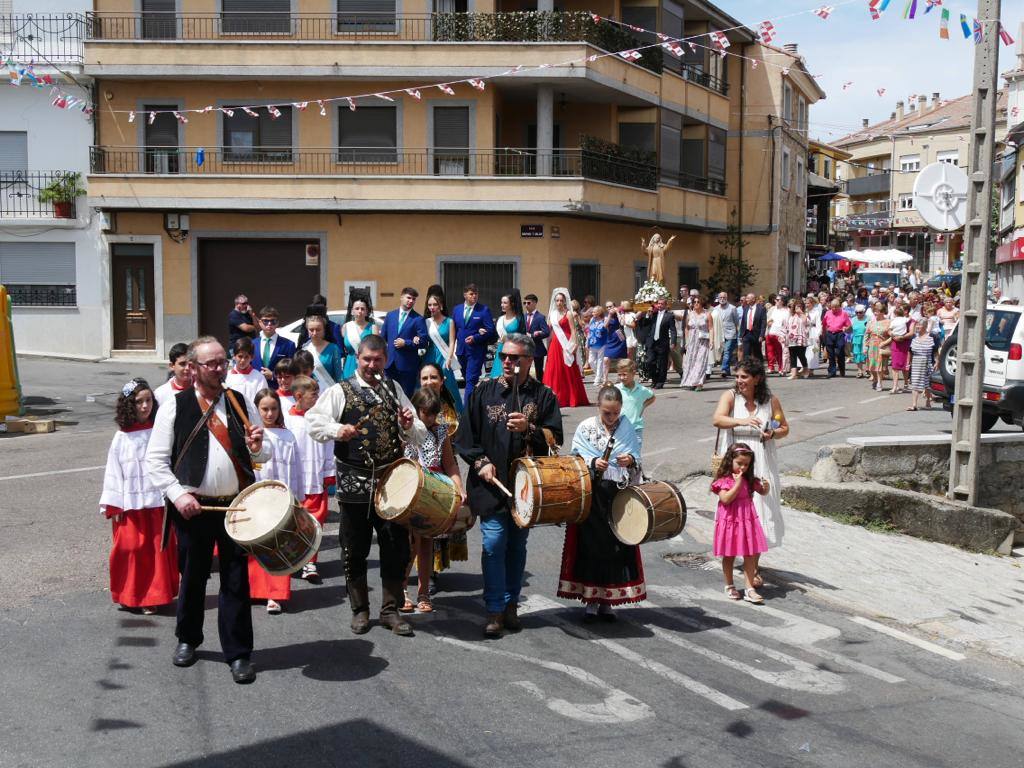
<point>596,18</point>
<point>979,33</point>
<point>753,63</point>
<point>1004,35</point>
<point>323,109</point>
<point>131,117</point>
<point>228,112</point>
<point>630,55</point>
<point>152,117</point>
<point>274,111</point>
<point>880,92</point>
<point>445,89</point>
<point>932,4</point>
<point>300,105</point>
<point>826,10</point>
<point>249,112</point>
<point>767,31</point>
<point>351,103</point>
<point>414,93</point>
<point>383,96</point>
<point>478,84</point>
<point>181,118</point>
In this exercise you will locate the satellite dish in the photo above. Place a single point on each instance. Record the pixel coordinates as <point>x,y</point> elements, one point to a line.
<point>940,196</point>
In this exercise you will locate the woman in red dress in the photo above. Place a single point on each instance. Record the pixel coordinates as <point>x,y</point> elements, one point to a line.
<point>563,372</point>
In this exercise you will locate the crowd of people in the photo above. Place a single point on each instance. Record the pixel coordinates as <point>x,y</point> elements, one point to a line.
<point>324,414</point>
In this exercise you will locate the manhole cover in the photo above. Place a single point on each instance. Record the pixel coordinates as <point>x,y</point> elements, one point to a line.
<point>696,562</point>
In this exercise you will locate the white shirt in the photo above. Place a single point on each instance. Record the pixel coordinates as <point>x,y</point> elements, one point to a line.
<point>261,341</point>
<point>657,325</point>
<point>247,384</point>
<point>166,391</point>
<point>323,417</point>
<point>219,479</point>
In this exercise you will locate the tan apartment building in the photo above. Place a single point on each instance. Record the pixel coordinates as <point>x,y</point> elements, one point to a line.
<point>550,175</point>
<point>880,175</point>
<point>823,192</point>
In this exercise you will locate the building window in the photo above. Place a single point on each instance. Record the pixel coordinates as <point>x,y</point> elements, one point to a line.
<point>638,135</point>
<point>801,113</point>
<point>451,141</point>
<point>950,156</point>
<point>39,274</point>
<point>826,167</point>
<point>910,163</point>
<point>13,152</point>
<point>801,180</point>
<point>692,154</point>
<point>368,135</point>
<point>492,279</point>
<point>787,103</point>
<point>688,276</point>
<point>261,17</point>
<point>716,153</point>
<point>785,168</point>
<point>161,137</point>
<point>262,138</point>
<point>370,15</point>
<point>585,280</point>
<point>906,201</point>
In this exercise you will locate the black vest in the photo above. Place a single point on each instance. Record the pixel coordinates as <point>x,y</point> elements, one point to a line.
<point>193,466</point>
<point>379,436</point>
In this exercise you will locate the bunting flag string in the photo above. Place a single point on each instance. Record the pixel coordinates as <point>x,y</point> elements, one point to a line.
<point>910,9</point>
<point>767,32</point>
<point>826,10</point>
<point>1004,35</point>
<point>979,33</point>
<point>965,27</point>
<point>931,4</point>
<point>874,10</point>
<point>944,24</point>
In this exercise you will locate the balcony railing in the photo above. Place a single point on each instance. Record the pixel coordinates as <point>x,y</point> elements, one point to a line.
<point>869,185</point>
<point>711,185</point>
<point>697,75</point>
<point>19,195</point>
<point>370,161</point>
<point>42,37</point>
<point>511,27</point>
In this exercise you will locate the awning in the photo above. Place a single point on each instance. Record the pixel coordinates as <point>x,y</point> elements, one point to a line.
<point>877,258</point>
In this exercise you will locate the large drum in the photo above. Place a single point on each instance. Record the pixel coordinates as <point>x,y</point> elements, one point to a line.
<point>425,502</point>
<point>550,490</point>
<point>464,520</point>
<point>648,512</point>
<point>273,527</point>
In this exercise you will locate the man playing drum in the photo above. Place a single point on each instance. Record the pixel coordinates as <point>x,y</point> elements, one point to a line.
<point>368,418</point>
<point>201,454</point>
<point>504,420</point>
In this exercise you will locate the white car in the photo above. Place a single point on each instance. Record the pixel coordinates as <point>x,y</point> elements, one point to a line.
<point>291,330</point>
<point>1003,383</point>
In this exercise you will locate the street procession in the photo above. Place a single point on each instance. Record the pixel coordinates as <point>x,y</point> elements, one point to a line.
<point>500,384</point>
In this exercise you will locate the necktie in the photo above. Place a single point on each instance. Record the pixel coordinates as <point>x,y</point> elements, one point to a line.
<point>467,314</point>
<point>268,345</point>
<point>401,319</point>
<point>750,318</point>
<point>529,321</point>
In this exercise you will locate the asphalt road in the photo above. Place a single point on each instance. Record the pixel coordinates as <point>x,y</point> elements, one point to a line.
<point>687,679</point>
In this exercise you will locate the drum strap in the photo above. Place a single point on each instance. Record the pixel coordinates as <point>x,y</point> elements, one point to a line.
<point>220,431</point>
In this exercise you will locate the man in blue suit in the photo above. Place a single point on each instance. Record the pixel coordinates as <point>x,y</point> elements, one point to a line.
<point>474,330</point>
<point>537,328</point>
<point>269,346</point>
<point>406,334</point>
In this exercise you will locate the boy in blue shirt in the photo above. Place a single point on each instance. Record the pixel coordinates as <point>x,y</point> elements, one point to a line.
<point>597,336</point>
<point>635,397</point>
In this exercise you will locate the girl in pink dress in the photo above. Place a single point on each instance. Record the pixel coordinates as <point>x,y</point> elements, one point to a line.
<point>738,531</point>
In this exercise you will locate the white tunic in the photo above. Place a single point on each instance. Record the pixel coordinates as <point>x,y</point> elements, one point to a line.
<point>316,459</point>
<point>247,383</point>
<point>166,391</point>
<point>125,483</point>
<point>284,464</point>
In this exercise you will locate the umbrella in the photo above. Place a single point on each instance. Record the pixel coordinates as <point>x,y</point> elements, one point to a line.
<point>830,256</point>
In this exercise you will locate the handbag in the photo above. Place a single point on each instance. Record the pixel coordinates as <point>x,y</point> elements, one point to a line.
<point>716,457</point>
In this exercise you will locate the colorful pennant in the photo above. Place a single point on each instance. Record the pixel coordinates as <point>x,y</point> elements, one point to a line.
<point>944,24</point>
<point>767,31</point>
<point>826,10</point>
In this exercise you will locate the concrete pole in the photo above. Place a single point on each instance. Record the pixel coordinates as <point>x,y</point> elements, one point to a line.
<point>970,351</point>
<point>546,5</point>
<point>545,128</point>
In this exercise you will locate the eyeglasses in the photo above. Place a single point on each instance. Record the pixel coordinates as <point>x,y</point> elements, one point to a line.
<point>213,365</point>
<point>269,320</point>
<point>510,357</point>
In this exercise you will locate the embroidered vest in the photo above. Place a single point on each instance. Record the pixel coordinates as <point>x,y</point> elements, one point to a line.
<point>379,436</point>
<point>187,414</point>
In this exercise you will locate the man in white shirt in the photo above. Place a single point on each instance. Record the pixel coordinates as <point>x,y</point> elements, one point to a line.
<point>201,454</point>
<point>181,374</point>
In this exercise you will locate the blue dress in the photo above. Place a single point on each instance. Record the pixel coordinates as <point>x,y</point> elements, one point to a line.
<point>615,346</point>
<point>503,328</point>
<point>349,352</point>
<point>327,368</point>
<point>435,355</point>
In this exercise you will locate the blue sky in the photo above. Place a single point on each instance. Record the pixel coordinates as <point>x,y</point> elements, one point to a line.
<point>901,55</point>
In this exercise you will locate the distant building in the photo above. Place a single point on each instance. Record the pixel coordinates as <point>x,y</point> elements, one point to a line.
<point>824,189</point>
<point>1010,253</point>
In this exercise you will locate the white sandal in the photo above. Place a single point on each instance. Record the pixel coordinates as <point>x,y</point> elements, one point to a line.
<point>751,595</point>
<point>732,593</point>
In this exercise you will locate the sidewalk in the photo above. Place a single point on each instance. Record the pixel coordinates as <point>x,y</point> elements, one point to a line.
<point>963,601</point>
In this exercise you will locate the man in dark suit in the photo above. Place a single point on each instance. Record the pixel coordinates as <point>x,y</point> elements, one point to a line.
<point>753,324</point>
<point>269,346</point>
<point>406,334</point>
<point>537,328</point>
<point>474,330</point>
<point>659,327</point>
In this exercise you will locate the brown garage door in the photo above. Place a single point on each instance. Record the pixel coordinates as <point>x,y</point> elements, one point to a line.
<point>267,271</point>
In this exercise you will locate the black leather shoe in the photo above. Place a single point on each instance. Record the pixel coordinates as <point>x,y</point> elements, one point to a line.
<point>184,655</point>
<point>242,671</point>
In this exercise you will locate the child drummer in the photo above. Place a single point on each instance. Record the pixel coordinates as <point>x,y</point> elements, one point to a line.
<point>436,455</point>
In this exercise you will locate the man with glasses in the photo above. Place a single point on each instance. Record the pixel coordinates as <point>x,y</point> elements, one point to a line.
<point>240,321</point>
<point>726,318</point>
<point>201,454</point>
<point>537,328</point>
<point>270,347</point>
<point>505,419</point>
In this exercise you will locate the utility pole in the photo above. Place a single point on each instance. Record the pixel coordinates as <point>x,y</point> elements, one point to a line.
<point>970,351</point>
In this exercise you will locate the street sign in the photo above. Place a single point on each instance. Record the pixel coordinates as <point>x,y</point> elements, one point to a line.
<point>531,230</point>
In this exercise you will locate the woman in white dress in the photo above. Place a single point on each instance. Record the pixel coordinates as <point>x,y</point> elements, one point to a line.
<point>751,414</point>
<point>813,311</point>
<point>776,343</point>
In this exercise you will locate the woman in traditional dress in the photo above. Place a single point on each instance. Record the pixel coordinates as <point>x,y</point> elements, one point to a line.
<point>597,568</point>
<point>699,327</point>
<point>510,321</point>
<point>860,328</point>
<point>441,349</point>
<point>141,574</point>
<point>563,373</point>
<point>751,414</point>
<point>327,367</point>
<point>359,323</point>
<point>814,311</point>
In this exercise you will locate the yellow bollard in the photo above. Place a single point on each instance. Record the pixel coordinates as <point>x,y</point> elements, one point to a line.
<point>10,385</point>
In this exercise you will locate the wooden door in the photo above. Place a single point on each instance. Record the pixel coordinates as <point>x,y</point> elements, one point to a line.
<point>133,300</point>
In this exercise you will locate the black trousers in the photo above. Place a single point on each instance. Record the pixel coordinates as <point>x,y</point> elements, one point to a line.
<point>657,357</point>
<point>538,365</point>
<point>835,343</point>
<point>798,355</point>
<point>358,523</point>
<point>752,347</point>
<point>196,538</point>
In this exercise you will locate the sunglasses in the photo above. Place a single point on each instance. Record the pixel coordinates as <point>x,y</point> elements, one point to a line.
<point>510,357</point>
<point>268,320</point>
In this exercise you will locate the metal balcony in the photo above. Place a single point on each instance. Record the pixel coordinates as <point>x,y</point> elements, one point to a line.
<point>20,192</point>
<point>42,38</point>
<point>869,185</point>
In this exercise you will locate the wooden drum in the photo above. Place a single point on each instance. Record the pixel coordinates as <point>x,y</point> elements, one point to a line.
<point>550,490</point>
<point>651,511</point>
<point>273,527</point>
<point>423,501</point>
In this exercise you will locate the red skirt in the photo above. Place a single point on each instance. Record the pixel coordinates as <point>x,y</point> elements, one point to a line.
<point>263,586</point>
<point>140,574</point>
<point>316,504</point>
<point>565,381</point>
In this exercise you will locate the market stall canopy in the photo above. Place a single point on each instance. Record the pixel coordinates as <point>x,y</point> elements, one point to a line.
<point>877,257</point>
<point>830,256</point>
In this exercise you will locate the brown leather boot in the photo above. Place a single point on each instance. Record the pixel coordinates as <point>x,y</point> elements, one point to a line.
<point>359,600</point>
<point>511,618</point>
<point>494,624</point>
<point>391,594</point>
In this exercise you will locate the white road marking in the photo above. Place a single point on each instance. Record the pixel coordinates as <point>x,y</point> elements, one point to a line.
<point>660,451</point>
<point>707,439</point>
<point>924,644</point>
<point>723,700</point>
<point>53,472</point>
<point>796,630</point>
<point>616,707</point>
<point>873,399</point>
<point>821,413</point>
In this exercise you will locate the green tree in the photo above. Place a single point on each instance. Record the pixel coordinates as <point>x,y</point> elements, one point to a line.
<point>730,272</point>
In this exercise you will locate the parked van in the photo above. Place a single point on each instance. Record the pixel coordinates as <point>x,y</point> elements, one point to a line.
<point>890,278</point>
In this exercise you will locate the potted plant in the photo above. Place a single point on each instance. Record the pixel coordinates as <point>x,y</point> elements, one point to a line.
<point>61,192</point>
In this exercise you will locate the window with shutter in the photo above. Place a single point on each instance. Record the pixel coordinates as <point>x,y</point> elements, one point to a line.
<point>256,17</point>
<point>451,141</point>
<point>162,148</point>
<point>367,16</point>
<point>491,278</point>
<point>39,273</point>
<point>368,135</point>
<point>716,153</point>
<point>671,140</point>
<point>258,139</point>
<point>13,152</point>
<point>158,19</point>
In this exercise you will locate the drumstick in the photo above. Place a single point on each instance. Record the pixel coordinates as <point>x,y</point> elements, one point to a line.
<point>222,509</point>
<point>238,408</point>
<point>498,483</point>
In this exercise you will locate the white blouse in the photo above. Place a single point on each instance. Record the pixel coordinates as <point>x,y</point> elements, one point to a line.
<point>778,317</point>
<point>248,384</point>
<point>125,483</point>
<point>316,460</point>
<point>284,464</point>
